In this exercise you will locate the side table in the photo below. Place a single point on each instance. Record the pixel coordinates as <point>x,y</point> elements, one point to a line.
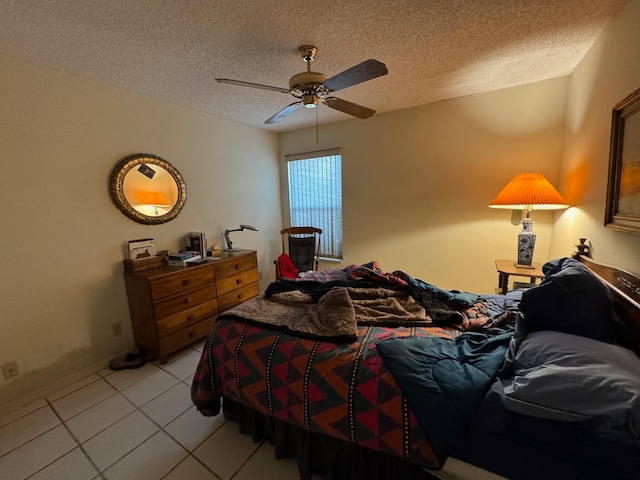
<point>506,268</point>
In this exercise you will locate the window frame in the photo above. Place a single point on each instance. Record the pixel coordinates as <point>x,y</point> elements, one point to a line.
<point>327,233</point>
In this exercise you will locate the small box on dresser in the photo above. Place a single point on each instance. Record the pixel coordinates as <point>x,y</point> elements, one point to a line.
<point>172,307</point>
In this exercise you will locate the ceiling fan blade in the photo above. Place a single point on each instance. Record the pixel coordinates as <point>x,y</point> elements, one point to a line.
<point>252,85</point>
<point>348,107</point>
<point>367,70</point>
<point>286,111</point>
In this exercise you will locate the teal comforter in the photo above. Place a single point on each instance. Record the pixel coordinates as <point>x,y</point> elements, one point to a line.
<point>445,380</point>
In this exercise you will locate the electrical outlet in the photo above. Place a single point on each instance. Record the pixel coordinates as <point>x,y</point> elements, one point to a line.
<point>10,370</point>
<point>116,329</point>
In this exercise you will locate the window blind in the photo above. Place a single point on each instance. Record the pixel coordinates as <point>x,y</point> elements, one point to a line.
<point>315,196</point>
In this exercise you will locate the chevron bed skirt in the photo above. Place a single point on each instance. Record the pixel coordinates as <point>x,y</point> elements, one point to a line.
<point>320,454</point>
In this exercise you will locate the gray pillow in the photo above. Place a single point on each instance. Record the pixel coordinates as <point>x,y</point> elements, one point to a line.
<point>567,377</point>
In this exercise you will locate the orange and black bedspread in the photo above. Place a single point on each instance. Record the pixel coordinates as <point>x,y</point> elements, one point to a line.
<point>343,390</point>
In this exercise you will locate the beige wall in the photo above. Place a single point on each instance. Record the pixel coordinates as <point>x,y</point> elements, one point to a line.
<point>607,74</point>
<point>62,238</point>
<point>417,182</point>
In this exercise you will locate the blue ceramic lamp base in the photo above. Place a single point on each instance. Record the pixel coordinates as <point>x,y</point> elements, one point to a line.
<point>526,244</point>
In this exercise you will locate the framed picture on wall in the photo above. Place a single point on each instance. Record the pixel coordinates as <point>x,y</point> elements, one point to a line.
<point>623,190</point>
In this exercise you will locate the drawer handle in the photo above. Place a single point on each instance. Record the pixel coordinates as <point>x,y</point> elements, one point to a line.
<point>239,296</point>
<point>190,317</point>
<point>186,282</point>
<point>192,334</point>
<point>237,267</point>
<point>238,281</point>
<point>187,299</point>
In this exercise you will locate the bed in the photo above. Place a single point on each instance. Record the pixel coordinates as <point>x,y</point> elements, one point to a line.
<point>362,374</point>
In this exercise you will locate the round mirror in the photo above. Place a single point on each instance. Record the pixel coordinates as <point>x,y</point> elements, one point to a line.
<point>147,189</point>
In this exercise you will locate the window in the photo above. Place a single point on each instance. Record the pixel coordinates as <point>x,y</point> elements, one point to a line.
<point>315,196</point>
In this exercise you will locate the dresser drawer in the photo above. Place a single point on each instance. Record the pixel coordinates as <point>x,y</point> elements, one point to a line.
<point>186,300</point>
<point>186,336</point>
<point>228,284</point>
<point>191,277</point>
<point>236,265</point>
<point>225,302</point>
<point>186,318</point>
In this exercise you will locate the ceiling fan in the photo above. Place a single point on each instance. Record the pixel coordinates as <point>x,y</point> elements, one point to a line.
<point>310,88</point>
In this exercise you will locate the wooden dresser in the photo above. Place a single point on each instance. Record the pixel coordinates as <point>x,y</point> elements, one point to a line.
<point>172,307</point>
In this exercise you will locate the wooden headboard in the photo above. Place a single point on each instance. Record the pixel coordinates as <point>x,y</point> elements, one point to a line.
<point>625,294</point>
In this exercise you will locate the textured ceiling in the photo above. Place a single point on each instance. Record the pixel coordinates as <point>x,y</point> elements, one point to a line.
<point>434,49</point>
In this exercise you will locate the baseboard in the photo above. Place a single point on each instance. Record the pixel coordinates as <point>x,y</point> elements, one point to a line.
<point>11,406</point>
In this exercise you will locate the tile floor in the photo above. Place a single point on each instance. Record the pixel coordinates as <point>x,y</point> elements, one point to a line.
<point>132,424</point>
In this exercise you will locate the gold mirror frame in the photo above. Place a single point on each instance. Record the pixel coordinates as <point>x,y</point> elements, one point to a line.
<point>116,188</point>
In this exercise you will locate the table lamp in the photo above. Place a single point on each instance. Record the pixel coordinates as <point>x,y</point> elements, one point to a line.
<point>528,191</point>
<point>230,247</point>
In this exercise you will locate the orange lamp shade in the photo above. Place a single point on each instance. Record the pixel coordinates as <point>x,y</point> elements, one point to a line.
<point>529,191</point>
<point>155,198</point>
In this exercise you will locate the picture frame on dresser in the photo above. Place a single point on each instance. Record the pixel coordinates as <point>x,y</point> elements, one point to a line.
<point>141,248</point>
<point>196,241</point>
<point>623,189</point>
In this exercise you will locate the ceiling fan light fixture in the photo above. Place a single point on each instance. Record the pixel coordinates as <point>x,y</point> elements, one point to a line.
<point>310,87</point>
<point>310,101</point>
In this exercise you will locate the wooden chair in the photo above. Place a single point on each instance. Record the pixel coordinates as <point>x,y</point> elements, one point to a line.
<point>302,246</point>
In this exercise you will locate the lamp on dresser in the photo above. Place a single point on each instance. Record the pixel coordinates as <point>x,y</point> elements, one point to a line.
<point>230,247</point>
<point>528,191</point>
